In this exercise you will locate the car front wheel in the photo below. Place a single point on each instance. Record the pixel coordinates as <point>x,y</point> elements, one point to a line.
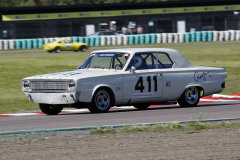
<point>57,49</point>
<point>101,101</point>
<point>83,48</point>
<point>190,97</point>
<point>50,109</point>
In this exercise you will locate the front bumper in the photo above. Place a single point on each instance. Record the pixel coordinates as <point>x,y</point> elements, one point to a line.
<point>47,47</point>
<point>53,98</point>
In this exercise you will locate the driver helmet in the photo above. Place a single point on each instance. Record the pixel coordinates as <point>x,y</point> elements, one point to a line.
<point>138,61</point>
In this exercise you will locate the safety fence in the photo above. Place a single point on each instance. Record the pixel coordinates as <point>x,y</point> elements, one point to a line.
<point>199,36</point>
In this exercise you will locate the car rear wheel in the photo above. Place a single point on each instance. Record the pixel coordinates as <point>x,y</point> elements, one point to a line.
<point>141,106</point>
<point>101,101</point>
<point>83,48</point>
<point>57,49</point>
<point>50,109</point>
<point>190,97</point>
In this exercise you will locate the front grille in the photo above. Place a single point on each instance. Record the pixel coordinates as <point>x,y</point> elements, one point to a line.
<point>49,86</point>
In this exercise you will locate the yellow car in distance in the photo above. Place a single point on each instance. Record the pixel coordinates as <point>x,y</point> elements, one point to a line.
<point>65,45</point>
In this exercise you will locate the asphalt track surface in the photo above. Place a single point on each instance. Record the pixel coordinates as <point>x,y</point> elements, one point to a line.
<point>121,116</point>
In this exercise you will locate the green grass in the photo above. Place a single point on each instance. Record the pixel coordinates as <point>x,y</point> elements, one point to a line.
<point>194,125</point>
<point>15,66</point>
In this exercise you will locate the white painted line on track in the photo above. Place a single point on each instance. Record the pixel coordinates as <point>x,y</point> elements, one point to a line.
<point>75,110</point>
<point>217,100</point>
<point>21,114</point>
<point>225,96</point>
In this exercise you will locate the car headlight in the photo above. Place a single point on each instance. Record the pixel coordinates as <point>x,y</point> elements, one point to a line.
<point>72,85</point>
<point>26,85</point>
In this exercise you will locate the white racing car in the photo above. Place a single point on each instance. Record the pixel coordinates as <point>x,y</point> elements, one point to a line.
<point>120,77</point>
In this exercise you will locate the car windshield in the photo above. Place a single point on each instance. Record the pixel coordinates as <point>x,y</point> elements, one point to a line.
<point>106,61</point>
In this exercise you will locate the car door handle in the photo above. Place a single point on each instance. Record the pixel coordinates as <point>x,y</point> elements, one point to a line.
<point>159,74</point>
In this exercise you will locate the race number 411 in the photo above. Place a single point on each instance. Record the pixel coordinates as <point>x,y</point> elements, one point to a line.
<point>139,85</point>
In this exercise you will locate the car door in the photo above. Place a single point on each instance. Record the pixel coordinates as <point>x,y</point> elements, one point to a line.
<point>67,46</point>
<point>142,86</point>
<point>145,84</point>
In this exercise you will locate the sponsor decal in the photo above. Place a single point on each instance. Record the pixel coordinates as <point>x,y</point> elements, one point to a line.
<point>142,95</point>
<point>118,86</point>
<point>200,76</point>
<point>106,55</point>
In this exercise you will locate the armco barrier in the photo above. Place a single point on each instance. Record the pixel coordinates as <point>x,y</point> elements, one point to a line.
<point>199,36</point>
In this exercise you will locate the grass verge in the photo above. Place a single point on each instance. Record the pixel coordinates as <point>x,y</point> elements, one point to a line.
<point>195,125</point>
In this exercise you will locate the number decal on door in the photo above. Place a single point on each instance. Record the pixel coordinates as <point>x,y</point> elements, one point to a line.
<point>139,85</point>
<point>68,46</point>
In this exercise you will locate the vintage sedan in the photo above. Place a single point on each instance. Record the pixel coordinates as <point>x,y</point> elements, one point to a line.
<point>65,45</point>
<point>123,77</point>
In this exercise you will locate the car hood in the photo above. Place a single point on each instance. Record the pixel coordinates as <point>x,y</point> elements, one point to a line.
<point>77,74</point>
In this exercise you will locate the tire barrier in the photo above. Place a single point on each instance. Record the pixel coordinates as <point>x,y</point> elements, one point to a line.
<point>119,40</point>
<point>198,36</point>
<point>181,37</point>
<point>176,38</point>
<point>164,37</point>
<point>237,35</point>
<point>159,38</point>
<point>187,37</point>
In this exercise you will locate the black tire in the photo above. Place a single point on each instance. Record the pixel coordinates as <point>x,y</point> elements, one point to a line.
<point>190,97</point>
<point>50,109</point>
<point>101,102</point>
<point>49,51</point>
<point>141,106</point>
<point>83,48</point>
<point>57,50</point>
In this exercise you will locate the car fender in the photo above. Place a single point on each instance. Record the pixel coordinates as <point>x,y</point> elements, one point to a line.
<point>103,86</point>
<point>100,86</point>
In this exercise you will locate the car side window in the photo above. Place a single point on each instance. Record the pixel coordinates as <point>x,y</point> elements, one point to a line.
<point>149,60</point>
<point>141,61</point>
<point>162,60</point>
<point>65,41</point>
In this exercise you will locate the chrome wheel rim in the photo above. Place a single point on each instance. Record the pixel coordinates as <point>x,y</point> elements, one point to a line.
<point>192,95</point>
<point>102,100</point>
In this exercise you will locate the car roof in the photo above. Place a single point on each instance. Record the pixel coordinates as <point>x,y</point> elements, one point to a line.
<point>134,50</point>
<point>179,60</point>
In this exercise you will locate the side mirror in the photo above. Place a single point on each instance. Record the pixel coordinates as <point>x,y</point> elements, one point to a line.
<point>133,69</point>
